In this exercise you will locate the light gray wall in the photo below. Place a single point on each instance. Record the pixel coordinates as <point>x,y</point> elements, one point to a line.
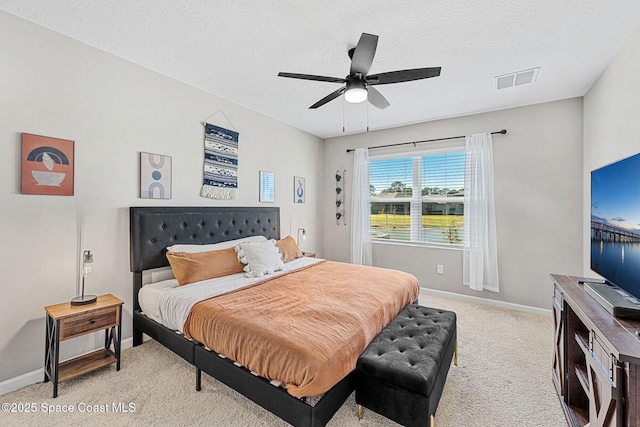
<point>538,187</point>
<point>54,86</point>
<point>611,122</point>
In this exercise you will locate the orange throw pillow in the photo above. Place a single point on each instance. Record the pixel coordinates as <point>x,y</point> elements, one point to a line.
<point>288,249</point>
<point>193,267</point>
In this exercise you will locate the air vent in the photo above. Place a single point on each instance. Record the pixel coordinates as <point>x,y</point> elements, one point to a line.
<point>518,78</point>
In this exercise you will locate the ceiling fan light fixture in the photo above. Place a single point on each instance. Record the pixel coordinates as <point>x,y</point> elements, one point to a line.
<point>359,84</point>
<point>356,91</point>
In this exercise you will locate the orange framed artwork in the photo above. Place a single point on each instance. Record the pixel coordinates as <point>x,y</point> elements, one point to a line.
<point>47,165</point>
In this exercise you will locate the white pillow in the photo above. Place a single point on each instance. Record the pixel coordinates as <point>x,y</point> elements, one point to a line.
<point>194,249</point>
<point>260,258</point>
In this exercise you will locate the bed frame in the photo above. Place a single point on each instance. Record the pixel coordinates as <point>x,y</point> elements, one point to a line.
<point>152,229</point>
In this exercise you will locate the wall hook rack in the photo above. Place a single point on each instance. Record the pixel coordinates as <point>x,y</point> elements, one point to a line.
<point>340,193</point>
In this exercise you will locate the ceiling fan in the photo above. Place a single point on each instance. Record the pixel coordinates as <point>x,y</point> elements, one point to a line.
<point>358,84</point>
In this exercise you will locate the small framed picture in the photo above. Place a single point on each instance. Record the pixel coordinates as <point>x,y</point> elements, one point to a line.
<point>298,189</point>
<point>47,165</point>
<point>267,187</point>
<point>155,176</point>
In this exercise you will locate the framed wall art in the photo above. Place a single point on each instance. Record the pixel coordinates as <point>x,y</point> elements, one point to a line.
<point>47,165</point>
<point>299,191</point>
<point>155,176</point>
<point>267,187</point>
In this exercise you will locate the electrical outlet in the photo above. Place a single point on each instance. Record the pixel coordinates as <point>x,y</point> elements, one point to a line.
<point>440,269</point>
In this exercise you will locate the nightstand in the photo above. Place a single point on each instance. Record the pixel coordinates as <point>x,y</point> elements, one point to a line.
<point>309,254</point>
<point>65,321</point>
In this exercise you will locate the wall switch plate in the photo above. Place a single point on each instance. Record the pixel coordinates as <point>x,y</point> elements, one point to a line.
<point>440,269</point>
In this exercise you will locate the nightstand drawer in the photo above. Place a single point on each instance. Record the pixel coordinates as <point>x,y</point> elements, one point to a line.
<point>93,320</point>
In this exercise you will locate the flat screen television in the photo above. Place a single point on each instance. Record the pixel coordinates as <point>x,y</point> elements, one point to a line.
<point>615,223</point>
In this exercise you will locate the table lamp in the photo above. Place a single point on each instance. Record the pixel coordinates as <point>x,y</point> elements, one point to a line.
<point>87,269</point>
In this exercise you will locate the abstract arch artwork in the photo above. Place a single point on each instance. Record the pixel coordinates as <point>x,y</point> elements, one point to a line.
<point>155,176</point>
<point>47,165</point>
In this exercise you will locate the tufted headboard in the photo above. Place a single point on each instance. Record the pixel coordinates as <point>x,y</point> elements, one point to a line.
<point>152,229</point>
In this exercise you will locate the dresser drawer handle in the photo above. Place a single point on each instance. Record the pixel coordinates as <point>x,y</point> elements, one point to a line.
<point>92,321</point>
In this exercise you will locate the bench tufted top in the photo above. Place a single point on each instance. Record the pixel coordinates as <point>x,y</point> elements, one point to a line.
<point>409,350</point>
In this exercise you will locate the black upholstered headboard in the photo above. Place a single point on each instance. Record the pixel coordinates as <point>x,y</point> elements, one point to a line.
<point>152,229</point>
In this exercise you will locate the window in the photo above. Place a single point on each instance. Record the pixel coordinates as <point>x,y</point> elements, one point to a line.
<point>433,212</point>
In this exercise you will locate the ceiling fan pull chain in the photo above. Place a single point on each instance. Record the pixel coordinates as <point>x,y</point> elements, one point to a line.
<point>367,117</point>
<point>343,101</point>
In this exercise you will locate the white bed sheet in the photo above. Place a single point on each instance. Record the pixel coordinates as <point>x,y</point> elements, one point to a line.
<point>170,304</point>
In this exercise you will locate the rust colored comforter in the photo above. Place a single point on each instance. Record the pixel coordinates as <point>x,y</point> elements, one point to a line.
<point>307,327</point>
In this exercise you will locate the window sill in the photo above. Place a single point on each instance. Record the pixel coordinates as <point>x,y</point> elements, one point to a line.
<point>416,244</point>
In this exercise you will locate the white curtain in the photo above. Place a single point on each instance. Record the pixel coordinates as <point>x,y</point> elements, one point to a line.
<point>361,218</point>
<point>480,242</point>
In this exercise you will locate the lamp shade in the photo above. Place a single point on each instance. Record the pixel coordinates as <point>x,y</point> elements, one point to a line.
<point>87,269</point>
<point>356,91</point>
<point>304,234</point>
<point>87,263</point>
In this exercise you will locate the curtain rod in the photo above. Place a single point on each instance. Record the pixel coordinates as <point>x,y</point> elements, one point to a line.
<point>502,132</point>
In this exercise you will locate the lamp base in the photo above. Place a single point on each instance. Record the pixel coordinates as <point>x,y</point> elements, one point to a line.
<point>84,299</point>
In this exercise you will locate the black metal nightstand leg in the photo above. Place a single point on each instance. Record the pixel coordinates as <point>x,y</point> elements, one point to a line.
<point>108,338</point>
<point>47,349</point>
<point>56,357</point>
<point>118,340</point>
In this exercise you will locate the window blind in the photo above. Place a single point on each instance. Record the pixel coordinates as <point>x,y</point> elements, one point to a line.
<point>419,198</point>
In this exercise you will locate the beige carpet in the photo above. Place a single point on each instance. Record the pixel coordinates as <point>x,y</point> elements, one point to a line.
<point>503,378</point>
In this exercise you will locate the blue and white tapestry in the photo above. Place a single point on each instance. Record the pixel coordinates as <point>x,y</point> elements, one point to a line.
<point>220,163</point>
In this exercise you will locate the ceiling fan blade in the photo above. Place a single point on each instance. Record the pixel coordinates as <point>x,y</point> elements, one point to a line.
<point>312,77</point>
<point>403,76</point>
<point>330,97</point>
<point>376,98</point>
<point>363,54</point>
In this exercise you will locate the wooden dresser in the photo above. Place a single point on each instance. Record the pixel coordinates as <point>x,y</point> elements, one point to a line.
<point>596,362</point>
<point>65,321</point>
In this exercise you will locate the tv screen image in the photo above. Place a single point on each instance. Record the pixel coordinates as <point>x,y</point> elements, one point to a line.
<point>615,223</point>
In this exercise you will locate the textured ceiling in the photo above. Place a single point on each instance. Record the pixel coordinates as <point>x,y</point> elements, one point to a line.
<point>235,49</point>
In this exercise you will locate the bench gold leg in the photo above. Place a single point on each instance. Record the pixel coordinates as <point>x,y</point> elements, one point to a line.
<point>432,421</point>
<point>455,356</point>
<point>360,411</point>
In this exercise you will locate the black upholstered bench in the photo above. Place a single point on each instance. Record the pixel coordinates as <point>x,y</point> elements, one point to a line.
<point>401,374</point>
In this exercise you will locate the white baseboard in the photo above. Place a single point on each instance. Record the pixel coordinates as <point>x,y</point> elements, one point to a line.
<point>13,384</point>
<point>487,301</point>
<point>37,376</point>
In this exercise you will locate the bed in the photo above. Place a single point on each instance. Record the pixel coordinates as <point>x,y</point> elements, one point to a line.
<point>153,229</point>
